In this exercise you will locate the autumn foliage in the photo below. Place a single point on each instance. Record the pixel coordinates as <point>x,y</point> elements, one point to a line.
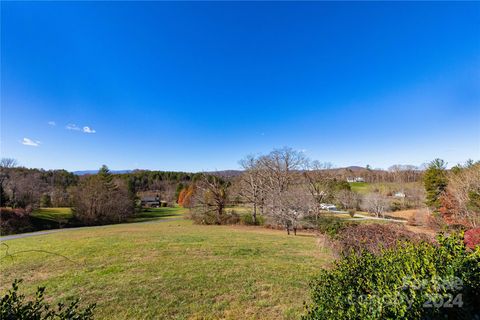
<point>185,196</point>
<point>472,238</point>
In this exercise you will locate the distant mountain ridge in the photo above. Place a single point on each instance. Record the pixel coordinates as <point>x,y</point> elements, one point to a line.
<point>354,168</point>
<point>222,173</point>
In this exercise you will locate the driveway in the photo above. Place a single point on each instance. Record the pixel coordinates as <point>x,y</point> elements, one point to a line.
<point>364,217</point>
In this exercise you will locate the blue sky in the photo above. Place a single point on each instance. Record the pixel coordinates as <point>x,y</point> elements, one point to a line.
<point>197,86</point>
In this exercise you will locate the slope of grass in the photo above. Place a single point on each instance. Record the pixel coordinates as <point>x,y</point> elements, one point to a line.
<point>360,187</point>
<point>158,213</point>
<point>383,187</point>
<point>171,270</point>
<point>54,218</point>
<point>51,218</point>
<point>55,214</point>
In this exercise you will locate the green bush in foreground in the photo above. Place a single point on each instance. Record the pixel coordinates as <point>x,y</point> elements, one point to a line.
<point>14,306</point>
<point>411,281</point>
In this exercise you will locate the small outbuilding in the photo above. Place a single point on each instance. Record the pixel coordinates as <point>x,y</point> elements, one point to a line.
<point>151,201</point>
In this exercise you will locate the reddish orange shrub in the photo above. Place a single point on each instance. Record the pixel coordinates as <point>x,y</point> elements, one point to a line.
<point>471,238</point>
<point>373,237</point>
<point>187,200</point>
<point>14,221</point>
<point>181,197</point>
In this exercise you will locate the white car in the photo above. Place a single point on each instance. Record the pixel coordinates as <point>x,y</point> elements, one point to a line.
<point>328,207</point>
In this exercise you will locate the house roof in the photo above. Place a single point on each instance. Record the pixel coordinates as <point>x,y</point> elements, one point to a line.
<point>150,198</point>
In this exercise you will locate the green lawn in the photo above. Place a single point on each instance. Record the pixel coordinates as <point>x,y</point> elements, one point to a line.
<point>47,216</point>
<point>384,187</point>
<point>51,218</point>
<point>360,187</point>
<point>172,269</point>
<point>157,213</point>
<point>53,213</point>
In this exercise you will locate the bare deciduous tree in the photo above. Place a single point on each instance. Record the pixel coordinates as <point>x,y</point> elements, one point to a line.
<point>375,203</point>
<point>317,180</point>
<point>251,184</point>
<point>348,199</point>
<point>279,170</point>
<point>211,197</point>
<point>5,165</point>
<point>101,200</point>
<point>464,187</point>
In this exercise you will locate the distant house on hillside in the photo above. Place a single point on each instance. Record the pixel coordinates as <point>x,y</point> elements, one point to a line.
<point>400,195</point>
<point>356,179</point>
<point>151,201</point>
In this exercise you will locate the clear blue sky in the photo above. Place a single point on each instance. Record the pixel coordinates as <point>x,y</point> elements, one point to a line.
<point>197,86</point>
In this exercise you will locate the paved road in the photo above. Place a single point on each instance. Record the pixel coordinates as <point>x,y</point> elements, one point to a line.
<point>40,233</point>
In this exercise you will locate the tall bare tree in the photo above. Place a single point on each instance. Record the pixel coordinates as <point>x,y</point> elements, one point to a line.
<point>375,203</point>
<point>251,184</point>
<point>280,171</point>
<point>101,200</point>
<point>463,189</point>
<point>317,177</point>
<point>211,197</point>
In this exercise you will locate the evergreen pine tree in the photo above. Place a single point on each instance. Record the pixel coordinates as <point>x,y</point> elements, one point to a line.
<point>435,182</point>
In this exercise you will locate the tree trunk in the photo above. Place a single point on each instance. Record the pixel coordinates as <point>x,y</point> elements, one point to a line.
<point>219,214</point>
<point>254,213</point>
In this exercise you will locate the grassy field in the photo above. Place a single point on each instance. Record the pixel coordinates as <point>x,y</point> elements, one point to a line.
<point>62,216</point>
<point>171,269</point>
<point>159,213</point>
<point>363,187</point>
<point>51,218</point>
<point>53,213</point>
<point>360,187</point>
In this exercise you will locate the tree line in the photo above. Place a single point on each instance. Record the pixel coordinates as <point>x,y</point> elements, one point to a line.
<point>288,188</point>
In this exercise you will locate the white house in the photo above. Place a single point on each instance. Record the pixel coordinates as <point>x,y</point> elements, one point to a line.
<point>356,179</point>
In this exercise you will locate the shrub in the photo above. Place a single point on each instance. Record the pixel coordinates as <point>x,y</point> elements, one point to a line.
<point>372,237</point>
<point>200,216</point>
<point>330,226</point>
<point>396,206</point>
<point>409,281</point>
<point>15,306</point>
<point>247,219</point>
<point>472,238</point>
<point>14,221</point>
<point>418,218</point>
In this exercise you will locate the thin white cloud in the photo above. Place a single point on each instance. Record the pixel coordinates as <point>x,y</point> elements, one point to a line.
<point>30,142</point>
<point>52,123</point>
<point>72,126</point>
<point>88,130</point>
